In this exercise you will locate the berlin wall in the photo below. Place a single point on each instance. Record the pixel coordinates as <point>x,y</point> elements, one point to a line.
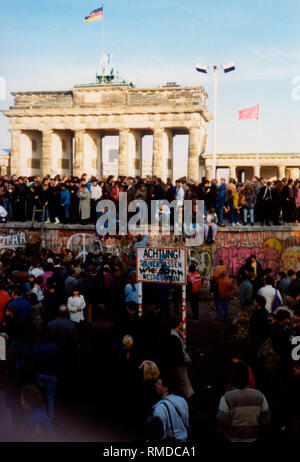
<point>273,249</point>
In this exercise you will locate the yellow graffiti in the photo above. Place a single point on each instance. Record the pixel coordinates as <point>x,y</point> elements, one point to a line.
<point>273,243</point>
<point>290,258</point>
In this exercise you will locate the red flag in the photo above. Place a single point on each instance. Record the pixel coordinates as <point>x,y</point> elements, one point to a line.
<point>249,113</point>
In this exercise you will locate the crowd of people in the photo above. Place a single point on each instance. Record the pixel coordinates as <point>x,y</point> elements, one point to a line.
<point>70,199</point>
<point>72,328</point>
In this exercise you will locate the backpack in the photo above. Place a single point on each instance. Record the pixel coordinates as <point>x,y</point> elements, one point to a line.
<point>276,302</point>
<point>196,281</point>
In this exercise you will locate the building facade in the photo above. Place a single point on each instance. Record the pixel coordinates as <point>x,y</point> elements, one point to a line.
<point>61,132</point>
<point>242,166</point>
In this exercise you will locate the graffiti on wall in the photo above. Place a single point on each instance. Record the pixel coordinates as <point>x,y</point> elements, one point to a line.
<point>12,241</point>
<point>275,250</point>
<point>83,243</point>
<point>202,258</point>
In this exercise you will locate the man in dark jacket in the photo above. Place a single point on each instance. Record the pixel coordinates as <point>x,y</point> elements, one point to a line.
<point>259,327</point>
<point>294,288</point>
<point>53,200</point>
<point>24,314</point>
<point>265,201</point>
<point>246,291</point>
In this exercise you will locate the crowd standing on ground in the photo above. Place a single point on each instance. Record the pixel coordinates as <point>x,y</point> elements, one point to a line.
<point>72,329</point>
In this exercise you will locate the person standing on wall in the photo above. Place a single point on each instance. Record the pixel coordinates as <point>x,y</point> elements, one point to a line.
<point>265,199</point>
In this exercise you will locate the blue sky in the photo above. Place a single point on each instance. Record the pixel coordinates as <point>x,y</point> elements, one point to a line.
<point>45,45</point>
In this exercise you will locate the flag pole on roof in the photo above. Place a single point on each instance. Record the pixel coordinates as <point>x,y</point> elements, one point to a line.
<point>93,16</point>
<point>102,43</point>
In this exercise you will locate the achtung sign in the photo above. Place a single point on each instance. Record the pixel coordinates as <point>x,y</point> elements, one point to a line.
<point>158,264</point>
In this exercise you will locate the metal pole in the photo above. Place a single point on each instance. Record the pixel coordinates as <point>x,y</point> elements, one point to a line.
<point>214,153</point>
<point>102,43</point>
<point>140,295</point>
<point>257,173</point>
<point>184,312</point>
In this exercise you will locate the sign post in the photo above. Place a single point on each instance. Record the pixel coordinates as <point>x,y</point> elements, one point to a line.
<point>140,295</point>
<point>165,266</point>
<point>2,348</point>
<point>183,312</point>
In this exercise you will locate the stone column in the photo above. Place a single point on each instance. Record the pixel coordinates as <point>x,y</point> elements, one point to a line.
<point>99,158</point>
<point>137,159</point>
<point>257,171</point>
<point>208,171</point>
<point>170,155</point>
<point>123,152</point>
<point>232,171</point>
<point>158,145</point>
<point>78,167</point>
<point>47,165</point>
<point>281,171</point>
<point>193,156</point>
<point>15,156</point>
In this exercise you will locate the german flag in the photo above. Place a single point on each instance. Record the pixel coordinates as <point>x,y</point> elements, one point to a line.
<point>94,15</point>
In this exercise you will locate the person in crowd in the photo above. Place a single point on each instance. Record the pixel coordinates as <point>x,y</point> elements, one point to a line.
<point>277,202</point>
<point>47,361</point>
<point>83,195</point>
<point>194,287</point>
<point>52,195</point>
<point>35,425</point>
<point>220,202</point>
<point>65,203</point>
<point>265,200</point>
<point>76,305</point>
<point>95,195</point>
<point>235,208</point>
<point>289,210</point>
<point>173,412</point>
<point>225,289</point>
<point>294,287</point>
<point>220,268</point>
<point>242,410</point>
<point>246,291</point>
<point>210,226</point>
<point>284,282</point>
<point>131,289</point>
<point>4,299</point>
<point>270,293</point>
<point>250,199</point>
<point>259,328</point>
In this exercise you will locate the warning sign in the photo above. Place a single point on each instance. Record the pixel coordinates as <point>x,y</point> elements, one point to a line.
<point>157,264</point>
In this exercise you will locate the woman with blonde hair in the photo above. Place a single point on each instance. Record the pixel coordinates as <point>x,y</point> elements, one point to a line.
<point>127,343</point>
<point>147,395</point>
<point>150,370</point>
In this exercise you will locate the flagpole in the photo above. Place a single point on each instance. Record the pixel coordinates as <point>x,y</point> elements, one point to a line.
<point>102,43</point>
<point>257,172</point>
<point>214,153</point>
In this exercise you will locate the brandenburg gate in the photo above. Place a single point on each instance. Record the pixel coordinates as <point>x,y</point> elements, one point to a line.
<point>60,132</point>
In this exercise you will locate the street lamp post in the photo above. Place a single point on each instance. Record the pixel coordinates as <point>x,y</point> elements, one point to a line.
<point>204,69</point>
